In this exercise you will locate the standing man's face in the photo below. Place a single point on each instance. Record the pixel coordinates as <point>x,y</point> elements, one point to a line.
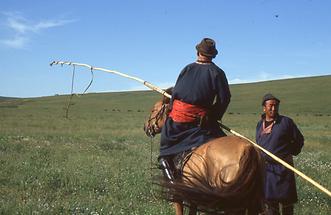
<point>270,108</point>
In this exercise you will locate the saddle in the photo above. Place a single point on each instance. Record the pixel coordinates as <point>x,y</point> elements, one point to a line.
<point>173,165</point>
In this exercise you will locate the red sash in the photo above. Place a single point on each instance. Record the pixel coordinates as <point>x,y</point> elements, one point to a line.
<point>183,112</point>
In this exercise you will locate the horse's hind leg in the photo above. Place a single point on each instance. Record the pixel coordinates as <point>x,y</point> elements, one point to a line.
<point>179,208</point>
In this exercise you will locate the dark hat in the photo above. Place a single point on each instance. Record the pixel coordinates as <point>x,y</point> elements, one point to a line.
<point>207,47</point>
<point>269,96</point>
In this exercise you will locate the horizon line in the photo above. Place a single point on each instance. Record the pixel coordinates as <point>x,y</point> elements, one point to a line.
<point>147,89</point>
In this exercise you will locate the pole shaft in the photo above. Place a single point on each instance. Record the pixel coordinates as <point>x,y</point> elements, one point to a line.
<point>280,161</point>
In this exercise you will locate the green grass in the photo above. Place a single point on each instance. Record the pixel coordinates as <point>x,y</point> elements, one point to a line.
<point>99,160</point>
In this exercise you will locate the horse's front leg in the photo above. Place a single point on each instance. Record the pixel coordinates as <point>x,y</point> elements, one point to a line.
<point>179,208</point>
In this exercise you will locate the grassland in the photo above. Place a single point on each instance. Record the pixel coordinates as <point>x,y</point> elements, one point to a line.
<point>100,162</point>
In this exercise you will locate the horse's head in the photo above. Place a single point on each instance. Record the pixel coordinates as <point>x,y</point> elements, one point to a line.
<point>158,116</point>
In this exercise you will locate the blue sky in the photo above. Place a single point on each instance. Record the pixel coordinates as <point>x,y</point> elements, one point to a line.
<point>153,40</point>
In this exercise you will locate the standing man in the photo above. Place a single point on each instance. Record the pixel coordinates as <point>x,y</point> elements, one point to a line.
<point>200,97</point>
<point>279,135</point>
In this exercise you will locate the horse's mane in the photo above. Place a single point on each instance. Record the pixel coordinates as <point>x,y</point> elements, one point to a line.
<point>243,192</point>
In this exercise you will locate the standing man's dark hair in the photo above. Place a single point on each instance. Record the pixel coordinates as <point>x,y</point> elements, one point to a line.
<point>199,98</point>
<point>279,135</point>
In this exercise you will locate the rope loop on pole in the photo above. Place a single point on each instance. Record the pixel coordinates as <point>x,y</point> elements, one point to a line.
<point>92,78</point>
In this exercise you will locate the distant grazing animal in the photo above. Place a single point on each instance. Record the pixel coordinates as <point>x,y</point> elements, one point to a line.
<point>222,176</point>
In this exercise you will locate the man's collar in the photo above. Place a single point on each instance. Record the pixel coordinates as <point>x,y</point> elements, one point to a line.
<point>276,120</point>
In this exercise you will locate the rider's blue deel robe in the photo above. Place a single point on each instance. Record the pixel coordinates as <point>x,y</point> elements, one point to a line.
<point>206,86</point>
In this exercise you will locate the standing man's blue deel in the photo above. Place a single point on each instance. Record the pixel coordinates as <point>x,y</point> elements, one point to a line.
<point>279,135</point>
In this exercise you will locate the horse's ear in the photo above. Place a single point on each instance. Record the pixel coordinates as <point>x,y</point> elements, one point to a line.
<point>166,100</point>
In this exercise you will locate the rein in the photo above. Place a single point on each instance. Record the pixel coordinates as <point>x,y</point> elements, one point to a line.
<point>151,168</point>
<point>154,126</point>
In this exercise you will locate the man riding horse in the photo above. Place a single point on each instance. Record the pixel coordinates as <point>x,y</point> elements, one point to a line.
<point>200,97</point>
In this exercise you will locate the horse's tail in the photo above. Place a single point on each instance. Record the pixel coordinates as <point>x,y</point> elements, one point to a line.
<point>243,192</point>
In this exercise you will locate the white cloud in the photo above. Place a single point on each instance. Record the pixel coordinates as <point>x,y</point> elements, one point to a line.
<point>237,81</point>
<point>22,28</point>
<point>18,24</point>
<point>162,85</point>
<point>50,24</point>
<point>15,42</point>
<point>262,76</point>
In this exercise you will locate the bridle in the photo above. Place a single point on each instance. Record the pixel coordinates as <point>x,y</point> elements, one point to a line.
<point>152,128</point>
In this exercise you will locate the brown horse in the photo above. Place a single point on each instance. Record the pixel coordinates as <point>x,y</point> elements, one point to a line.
<point>222,176</point>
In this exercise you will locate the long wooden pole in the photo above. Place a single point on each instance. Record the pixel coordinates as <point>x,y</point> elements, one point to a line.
<point>280,161</point>
<point>155,88</point>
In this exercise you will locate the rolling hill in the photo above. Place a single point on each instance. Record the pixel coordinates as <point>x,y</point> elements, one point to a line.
<point>99,161</point>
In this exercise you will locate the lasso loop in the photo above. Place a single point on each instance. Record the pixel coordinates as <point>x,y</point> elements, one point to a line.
<point>72,85</point>
<point>92,77</point>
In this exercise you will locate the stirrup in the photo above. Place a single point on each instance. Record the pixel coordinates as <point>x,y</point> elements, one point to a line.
<point>164,165</point>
